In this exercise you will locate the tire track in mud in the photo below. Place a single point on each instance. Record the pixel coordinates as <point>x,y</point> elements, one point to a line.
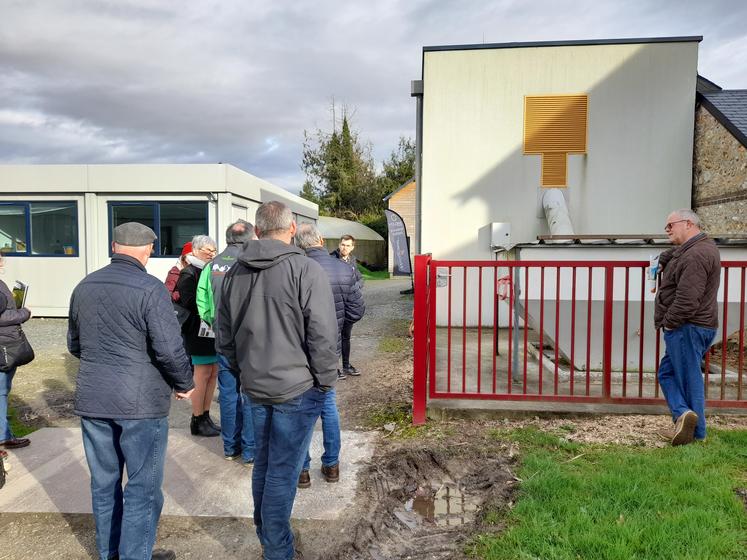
<point>420,504</point>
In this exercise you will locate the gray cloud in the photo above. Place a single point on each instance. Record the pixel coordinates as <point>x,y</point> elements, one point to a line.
<point>153,81</point>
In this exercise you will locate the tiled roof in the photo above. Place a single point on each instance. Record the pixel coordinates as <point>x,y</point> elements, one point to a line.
<point>730,109</point>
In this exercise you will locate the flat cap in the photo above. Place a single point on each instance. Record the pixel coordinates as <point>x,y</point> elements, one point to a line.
<point>133,234</point>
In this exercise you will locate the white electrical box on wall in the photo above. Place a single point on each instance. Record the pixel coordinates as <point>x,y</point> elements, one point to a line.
<point>500,236</point>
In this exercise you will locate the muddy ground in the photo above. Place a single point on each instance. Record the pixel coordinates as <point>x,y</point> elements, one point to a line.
<point>424,494</point>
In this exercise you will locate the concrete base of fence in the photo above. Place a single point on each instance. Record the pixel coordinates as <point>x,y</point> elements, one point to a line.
<point>468,408</point>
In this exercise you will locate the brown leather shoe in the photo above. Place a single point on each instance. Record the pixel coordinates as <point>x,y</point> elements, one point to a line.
<point>331,474</point>
<point>15,443</point>
<point>684,428</point>
<point>304,480</point>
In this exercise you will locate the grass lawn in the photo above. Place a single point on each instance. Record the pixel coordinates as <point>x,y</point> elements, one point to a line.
<point>605,502</point>
<point>18,428</point>
<point>371,275</point>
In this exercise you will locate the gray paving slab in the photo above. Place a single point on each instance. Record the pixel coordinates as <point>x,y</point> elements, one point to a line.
<point>51,476</point>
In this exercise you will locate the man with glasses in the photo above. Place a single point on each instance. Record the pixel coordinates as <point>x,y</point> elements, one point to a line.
<point>687,312</point>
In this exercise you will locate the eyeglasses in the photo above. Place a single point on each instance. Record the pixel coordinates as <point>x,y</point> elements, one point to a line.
<point>670,224</point>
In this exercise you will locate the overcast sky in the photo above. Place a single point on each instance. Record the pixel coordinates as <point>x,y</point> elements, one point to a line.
<point>238,81</point>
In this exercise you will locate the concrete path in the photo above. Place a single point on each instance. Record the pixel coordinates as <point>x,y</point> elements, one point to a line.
<point>51,476</point>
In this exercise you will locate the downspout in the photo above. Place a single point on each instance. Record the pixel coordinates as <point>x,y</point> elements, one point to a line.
<point>416,91</point>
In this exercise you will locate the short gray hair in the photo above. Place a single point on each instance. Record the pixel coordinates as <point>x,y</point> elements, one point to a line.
<point>273,217</point>
<point>200,241</point>
<point>240,231</point>
<point>689,215</point>
<point>307,235</point>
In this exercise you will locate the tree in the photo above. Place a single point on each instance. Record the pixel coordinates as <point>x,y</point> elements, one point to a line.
<point>339,170</point>
<point>400,167</point>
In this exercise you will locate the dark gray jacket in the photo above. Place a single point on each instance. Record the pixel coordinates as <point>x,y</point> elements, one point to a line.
<point>689,280</point>
<point>276,322</point>
<point>123,328</point>
<point>349,305</point>
<point>10,317</point>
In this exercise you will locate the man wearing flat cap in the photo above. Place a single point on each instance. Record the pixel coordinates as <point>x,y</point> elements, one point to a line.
<point>123,329</point>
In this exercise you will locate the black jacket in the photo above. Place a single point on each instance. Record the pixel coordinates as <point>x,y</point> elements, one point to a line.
<point>10,317</point>
<point>352,262</point>
<point>276,322</point>
<point>122,327</point>
<point>346,290</point>
<point>189,277</point>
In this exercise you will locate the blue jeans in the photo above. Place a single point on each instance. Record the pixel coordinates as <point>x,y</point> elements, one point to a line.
<point>126,520</point>
<point>282,433</point>
<point>236,426</point>
<point>330,432</point>
<point>6,380</point>
<point>680,376</point>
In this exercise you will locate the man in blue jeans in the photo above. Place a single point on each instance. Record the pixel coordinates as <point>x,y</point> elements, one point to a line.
<point>349,309</point>
<point>687,311</point>
<point>277,329</point>
<point>236,426</point>
<point>122,327</point>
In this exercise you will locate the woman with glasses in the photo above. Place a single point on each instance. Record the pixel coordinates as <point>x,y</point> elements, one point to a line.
<point>199,339</point>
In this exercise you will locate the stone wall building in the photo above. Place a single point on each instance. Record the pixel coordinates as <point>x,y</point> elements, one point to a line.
<point>720,159</point>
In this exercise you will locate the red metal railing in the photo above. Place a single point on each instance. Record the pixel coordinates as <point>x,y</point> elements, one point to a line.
<point>556,331</point>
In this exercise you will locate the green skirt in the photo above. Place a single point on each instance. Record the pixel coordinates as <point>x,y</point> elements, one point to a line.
<point>204,360</point>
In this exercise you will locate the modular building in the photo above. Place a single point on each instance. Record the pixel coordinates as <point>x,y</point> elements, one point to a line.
<point>56,221</point>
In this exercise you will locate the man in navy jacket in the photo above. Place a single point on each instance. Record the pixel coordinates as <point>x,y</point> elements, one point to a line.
<point>123,328</point>
<point>349,309</point>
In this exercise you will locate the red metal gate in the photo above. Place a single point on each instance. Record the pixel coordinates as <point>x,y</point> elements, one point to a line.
<point>563,331</point>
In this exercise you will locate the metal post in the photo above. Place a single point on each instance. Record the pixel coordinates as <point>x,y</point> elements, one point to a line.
<point>420,345</point>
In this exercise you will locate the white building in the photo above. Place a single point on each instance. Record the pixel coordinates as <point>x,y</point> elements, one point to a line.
<point>480,116</point>
<point>56,221</point>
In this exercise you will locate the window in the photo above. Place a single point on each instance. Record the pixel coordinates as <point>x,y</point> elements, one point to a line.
<point>39,228</point>
<point>175,223</point>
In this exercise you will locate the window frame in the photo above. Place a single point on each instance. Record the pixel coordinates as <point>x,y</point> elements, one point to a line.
<point>156,206</point>
<point>26,205</point>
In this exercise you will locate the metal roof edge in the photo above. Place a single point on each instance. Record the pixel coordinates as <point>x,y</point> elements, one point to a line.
<point>568,43</point>
<point>402,186</point>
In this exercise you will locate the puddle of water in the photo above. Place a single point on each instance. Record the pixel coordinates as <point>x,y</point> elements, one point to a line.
<point>446,506</point>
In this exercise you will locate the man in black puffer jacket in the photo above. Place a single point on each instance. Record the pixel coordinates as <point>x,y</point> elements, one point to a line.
<point>344,253</point>
<point>123,328</point>
<point>349,309</point>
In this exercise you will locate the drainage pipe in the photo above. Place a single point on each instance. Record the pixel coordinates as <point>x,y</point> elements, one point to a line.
<point>556,212</point>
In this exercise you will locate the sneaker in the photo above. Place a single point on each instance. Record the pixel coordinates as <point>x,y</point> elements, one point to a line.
<point>248,463</point>
<point>667,434</point>
<point>684,428</point>
<point>341,375</point>
<point>232,457</point>
<point>304,480</point>
<point>350,370</point>
<point>331,474</point>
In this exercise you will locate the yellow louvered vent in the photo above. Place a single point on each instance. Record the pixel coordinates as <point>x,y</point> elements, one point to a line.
<point>555,126</point>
